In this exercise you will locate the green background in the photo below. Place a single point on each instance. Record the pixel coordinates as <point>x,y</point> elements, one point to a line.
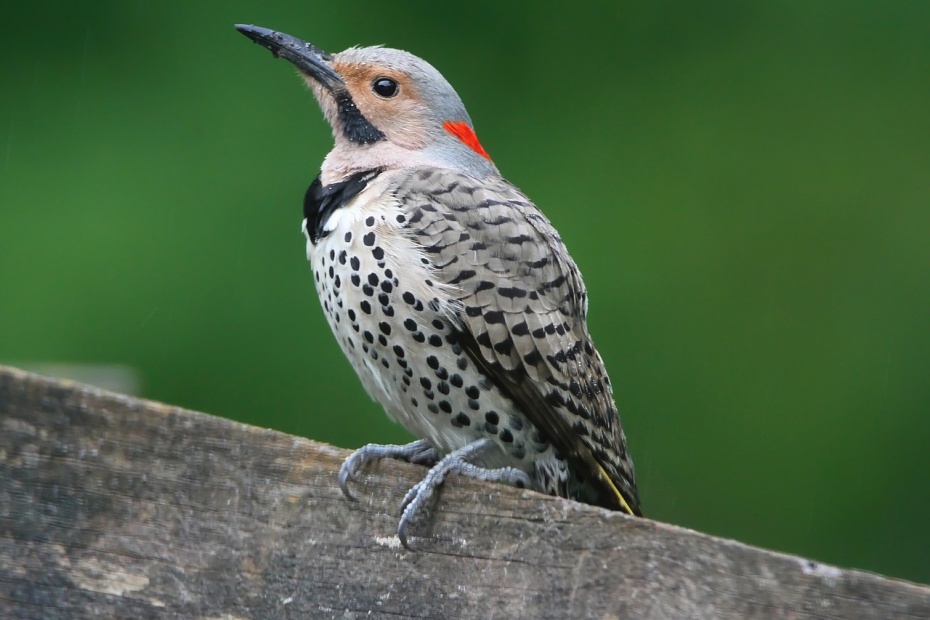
<point>745,185</point>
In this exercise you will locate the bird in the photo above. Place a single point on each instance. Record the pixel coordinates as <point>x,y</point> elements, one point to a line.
<point>451,294</point>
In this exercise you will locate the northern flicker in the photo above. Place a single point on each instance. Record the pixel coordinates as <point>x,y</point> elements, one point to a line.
<point>451,294</point>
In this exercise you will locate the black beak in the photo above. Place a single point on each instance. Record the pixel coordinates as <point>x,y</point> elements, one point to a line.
<point>310,60</point>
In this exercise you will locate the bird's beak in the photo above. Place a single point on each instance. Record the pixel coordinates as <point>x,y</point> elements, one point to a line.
<point>308,59</point>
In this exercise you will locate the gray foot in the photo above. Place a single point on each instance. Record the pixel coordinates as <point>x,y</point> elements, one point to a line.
<point>418,496</point>
<point>418,452</point>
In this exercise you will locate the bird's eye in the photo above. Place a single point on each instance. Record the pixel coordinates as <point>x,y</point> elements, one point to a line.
<point>384,87</point>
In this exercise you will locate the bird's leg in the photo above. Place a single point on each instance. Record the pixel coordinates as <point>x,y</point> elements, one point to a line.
<point>457,462</point>
<point>418,452</point>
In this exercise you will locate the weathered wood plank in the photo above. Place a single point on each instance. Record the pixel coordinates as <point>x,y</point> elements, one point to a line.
<point>112,506</point>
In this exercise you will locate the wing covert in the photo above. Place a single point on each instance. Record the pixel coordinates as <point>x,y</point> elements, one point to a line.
<point>520,311</point>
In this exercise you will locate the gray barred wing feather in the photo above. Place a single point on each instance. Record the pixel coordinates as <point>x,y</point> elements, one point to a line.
<point>522,317</point>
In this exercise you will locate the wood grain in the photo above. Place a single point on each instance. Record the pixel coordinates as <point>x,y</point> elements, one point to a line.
<point>115,507</point>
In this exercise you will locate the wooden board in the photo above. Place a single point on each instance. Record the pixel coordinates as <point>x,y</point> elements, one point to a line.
<point>115,507</point>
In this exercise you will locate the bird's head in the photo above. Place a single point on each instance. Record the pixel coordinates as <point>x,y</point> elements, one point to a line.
<point>388,108</point>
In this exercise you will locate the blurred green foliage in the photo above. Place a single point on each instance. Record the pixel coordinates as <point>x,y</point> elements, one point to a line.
<point>745,185</point>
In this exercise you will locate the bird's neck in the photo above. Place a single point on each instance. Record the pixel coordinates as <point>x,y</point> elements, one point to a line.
<point>347,159</point>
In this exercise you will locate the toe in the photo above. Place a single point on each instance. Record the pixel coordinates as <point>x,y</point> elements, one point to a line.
<point>345,474</point>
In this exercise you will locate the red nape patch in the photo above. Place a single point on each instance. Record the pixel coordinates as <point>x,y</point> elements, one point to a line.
<point>466,134</point>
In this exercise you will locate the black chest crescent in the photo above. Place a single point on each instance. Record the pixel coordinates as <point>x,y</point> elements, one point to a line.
<point>321,201</point>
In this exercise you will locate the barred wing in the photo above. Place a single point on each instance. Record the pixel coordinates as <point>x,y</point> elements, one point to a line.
<point>522,316</point>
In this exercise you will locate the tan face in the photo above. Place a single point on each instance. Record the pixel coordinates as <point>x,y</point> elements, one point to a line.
<point>386,97</point>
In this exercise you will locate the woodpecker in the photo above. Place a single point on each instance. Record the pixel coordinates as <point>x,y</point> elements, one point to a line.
<point>451,294</point>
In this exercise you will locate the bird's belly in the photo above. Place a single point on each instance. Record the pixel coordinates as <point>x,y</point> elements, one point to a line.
<point>394,323</point>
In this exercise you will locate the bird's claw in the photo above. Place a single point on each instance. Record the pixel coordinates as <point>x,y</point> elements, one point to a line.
<point>419,452</point>
<point>419,494</point>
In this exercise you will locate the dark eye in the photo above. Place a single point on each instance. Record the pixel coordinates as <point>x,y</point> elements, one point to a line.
<point>384,87</point>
